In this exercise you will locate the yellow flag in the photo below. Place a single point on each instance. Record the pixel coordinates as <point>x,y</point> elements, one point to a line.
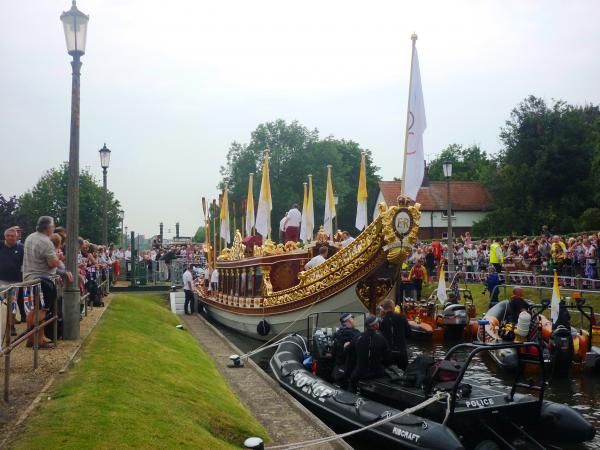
<point>303,221</point>
<point>329,214</point>
<point>263,214</point>
<point>310,211</point>
<point>250,207</point>
<point>361,196</point>
<point>555,303</point>
<point>224,217</point>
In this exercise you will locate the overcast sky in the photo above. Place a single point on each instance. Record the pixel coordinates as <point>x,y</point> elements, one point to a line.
<point>169,85</point>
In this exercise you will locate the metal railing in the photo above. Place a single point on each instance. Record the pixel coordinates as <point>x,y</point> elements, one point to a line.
<point>9,295</point>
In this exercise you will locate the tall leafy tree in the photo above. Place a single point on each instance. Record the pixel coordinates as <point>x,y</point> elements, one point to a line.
<point>295,152</point>
<point>547,170</point>
<point>468,163</point>
<point>49,198</point>
<point>9,213</point>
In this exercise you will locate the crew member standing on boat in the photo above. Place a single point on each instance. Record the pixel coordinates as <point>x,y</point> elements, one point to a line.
<point>319,259</point>
<point>371,352</point>
<point>396,330</point>
<point>214,281</point>
<point>418,275</point>
<point>282,225</point>
<point>188,289</point>
<point>293,219</point>
<point>342,339</point>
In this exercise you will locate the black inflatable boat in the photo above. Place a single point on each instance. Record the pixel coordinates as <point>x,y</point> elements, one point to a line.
<point>479,415</point>
<point>351,411</point>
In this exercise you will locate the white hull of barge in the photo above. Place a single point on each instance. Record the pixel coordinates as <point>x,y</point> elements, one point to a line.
<point>292,321</point>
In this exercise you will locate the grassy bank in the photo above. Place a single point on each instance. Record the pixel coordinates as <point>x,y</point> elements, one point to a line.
<point>141,383</point>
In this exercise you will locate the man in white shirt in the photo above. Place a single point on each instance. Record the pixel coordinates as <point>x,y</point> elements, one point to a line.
<point>292,224</point>
<point>319,259</point>
<point>347,239</point>
<point>188,289</point>
<point>282,225</point>
<point>214,281</point>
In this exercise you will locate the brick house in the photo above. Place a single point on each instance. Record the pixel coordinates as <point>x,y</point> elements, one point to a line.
<point>470,203</point>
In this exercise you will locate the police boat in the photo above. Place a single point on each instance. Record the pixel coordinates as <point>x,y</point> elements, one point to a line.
<point>475,414</point>
<point>349,411</point>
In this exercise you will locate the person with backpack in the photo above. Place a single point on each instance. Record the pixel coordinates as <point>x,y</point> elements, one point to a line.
<point>396,330</point>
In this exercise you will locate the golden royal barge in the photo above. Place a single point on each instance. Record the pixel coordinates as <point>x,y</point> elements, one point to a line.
<point>264,291</point>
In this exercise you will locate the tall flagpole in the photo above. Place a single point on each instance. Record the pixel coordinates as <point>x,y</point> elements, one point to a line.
<point>408,124</point>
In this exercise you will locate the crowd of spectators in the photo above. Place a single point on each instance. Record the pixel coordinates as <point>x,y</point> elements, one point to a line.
<point>569,256</point>
<point>41,255</point>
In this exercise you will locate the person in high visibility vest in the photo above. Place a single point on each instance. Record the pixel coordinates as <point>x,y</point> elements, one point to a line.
<point>496,255</point>
<point>418,275</point>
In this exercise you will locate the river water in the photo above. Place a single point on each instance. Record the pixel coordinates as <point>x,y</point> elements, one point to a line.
<point>581,391</point>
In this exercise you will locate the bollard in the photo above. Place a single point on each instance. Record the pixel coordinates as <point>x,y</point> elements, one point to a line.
<point>254,443</point>
<point>36,337</point>
<point>9,302</point>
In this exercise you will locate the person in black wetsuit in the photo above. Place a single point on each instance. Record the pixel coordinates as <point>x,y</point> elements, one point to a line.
<point>371,352</point>
<point>516,304</point>
<point>342,339</point>
<point>395,329</point>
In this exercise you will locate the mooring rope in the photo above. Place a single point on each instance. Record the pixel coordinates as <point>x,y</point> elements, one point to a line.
<point>437,397</point>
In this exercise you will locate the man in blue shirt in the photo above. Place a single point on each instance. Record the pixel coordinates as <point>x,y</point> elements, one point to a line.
<point>11,262</point>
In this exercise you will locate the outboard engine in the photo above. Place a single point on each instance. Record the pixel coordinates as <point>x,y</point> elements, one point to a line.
<point>561,349</point>
<point>454,314</point>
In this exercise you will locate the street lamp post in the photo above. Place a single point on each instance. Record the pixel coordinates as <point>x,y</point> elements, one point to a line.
<point>122,218</point>
<point>75,27</point>
<point>448,175</point>
<point>104,163</point>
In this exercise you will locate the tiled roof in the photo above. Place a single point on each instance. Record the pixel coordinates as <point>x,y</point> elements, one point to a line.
<point>465,195</point>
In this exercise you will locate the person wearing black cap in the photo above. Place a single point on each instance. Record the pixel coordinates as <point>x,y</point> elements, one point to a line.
<point>395,329</point>
<point>342,339</point>
<point>371,351</point>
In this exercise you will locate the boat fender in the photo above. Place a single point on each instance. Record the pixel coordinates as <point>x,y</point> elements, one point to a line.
<point>523,324</point>
<point>263,328</point>
<point>307,362</point>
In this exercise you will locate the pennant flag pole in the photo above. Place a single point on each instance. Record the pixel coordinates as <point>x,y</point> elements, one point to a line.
<point>303,220</point>
<point>224,216</point>
<point>361,196</point>
<point>250,207</point>
<point>265,205</point>
<point>329,214</point>
<point>555,302</point>
<point>441,289</point>
<point>414,157</point>
<point>310,211</point>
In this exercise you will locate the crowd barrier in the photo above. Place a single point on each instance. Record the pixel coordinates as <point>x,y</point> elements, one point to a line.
<point>33,303</point>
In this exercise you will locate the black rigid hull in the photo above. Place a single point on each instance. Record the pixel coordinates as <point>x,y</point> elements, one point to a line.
<point>352,411</point>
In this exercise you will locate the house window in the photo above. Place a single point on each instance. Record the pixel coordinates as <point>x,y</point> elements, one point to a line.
<point>445,235</point>
<point>445,214</point>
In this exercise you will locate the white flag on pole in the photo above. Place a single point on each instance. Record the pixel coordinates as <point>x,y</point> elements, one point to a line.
<point>416,124</point>
<point>555,302</point>
<point>303,220</point>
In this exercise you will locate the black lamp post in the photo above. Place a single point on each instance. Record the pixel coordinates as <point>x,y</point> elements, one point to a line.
<point>104,163</point>
<point>448,174</point>
<point>75,27</point>
<point>122,218</point>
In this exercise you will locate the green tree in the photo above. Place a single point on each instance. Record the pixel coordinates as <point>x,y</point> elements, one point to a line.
<point>9,213</point>
<point>548,168</point>
<point>200,235</point>
<point>49,197</point>
<point>295,152</point>
<point>468,163</point>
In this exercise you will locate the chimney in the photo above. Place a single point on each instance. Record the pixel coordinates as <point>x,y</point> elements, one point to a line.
<point>177,229</point>
<point>161,232</point>
<point>425,176</point>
